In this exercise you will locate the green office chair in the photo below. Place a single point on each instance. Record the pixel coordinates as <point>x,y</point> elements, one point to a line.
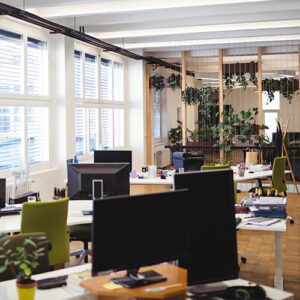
<point>14,241</point>
<point>278,178</point>
<point>49,217</point>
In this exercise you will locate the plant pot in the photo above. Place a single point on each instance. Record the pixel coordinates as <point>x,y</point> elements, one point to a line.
<point>26,291</point>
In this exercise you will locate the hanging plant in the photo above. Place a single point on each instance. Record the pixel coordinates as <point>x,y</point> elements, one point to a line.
<point>174,81</point>
<point>157,81</point>
<point>229,83</point>
<point>270,86</point>
<point>241,79</point>
<point>191,95</point>
<point>287,88</point>
<point>253,78</point>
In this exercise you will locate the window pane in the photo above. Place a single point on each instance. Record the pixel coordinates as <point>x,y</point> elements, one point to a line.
<point>118,82</point>
<point>106,79</point>
<point>37,67</point>
<point>93,128</point>
<point>11,74</point>
<point>38,144</point>
<point>107,127</point>
<point>270,121</point>
<point>156,120</point>
<point>90,83</point>
<point>274,105</point>
<point>78,73</point>
<point>119,127</point>
<point>80,131</point>
<point>157,97</point>
<point>11,133</point>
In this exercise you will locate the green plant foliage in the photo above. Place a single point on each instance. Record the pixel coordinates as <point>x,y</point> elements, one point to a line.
<point>157,81</point>
<point>287,88</point>
<point>270,86</point>
<point>174,81</point>
<point>175,135</point>
<point>22,260</point>
<point>201,134</point>
<point>191,95</point>
<point>229,83</point>
<point>253,78</point>
<point>241,79</point>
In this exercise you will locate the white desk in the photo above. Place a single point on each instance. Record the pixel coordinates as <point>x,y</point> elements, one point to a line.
<point>277,228</point>
<point>8,289</point>
<point>167,181</point>
<point>12,223</point>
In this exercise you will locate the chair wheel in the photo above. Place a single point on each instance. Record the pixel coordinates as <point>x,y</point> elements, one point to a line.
<point>243,259</point>
<point>292,221</point>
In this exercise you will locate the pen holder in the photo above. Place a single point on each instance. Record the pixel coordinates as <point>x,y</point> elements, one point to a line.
<point>241,172</point>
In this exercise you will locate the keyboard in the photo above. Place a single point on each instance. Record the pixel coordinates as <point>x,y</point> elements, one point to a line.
<point>49,283</point>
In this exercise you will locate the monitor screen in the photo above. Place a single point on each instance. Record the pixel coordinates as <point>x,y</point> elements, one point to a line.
<point>115,178</point>
<point>213,249</point>
<point>113,156</point>
<point>134,231</point>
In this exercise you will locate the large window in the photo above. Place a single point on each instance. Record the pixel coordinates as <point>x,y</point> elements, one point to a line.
<point>157,116</point>
<point>86,130</point>
<point>113,110</point>
<point>85,74</point>
<point>24,129</point>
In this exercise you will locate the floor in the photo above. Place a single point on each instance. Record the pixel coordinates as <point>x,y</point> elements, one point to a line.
<point>258,248</point>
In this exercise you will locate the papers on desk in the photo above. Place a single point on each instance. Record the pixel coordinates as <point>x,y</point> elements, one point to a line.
<point>261,221</point>
<point>259,168</point>
<point>272,202</point>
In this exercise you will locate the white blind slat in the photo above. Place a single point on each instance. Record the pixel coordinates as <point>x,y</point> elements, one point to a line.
<point>118,82</point>
<point>78,74</point>
<point>119,127</point>
<point>90,84</point>
<point>106,79</point>
<point>107,127</point>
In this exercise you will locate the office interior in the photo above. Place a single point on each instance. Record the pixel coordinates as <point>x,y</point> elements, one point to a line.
<point>62,97</point>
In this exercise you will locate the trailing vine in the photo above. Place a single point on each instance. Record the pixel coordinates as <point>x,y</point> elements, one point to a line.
<point>270,86</point>
<point>229,83</point>
<point>174,81</point>
<point>241,79</point>
<point>253,78</point>
<point>287,88</point>
<point>157,81</point>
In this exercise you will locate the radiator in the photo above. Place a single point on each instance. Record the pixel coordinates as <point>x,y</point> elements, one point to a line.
<point>21,189</point>
<point>162,158</point>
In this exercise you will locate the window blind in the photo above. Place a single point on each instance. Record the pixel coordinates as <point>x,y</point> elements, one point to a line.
<point>106,79</point>
<point>11,75</point>
<point>156,123</point>
<point>11,137</point>
<point>118,82</point>
<point>119,127</point>
<point>79,130</point>
<point>93,128</point>
<point>78,74</point>
<point>90,72</point>
<point>38,134</point>
<point>107,127</point>
<point>37,69</point>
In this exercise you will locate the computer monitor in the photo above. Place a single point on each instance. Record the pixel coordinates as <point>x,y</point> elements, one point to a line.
<point>115,178</point>
<point>213,250</point>
<point>113,156</point>
<point>133,231</point>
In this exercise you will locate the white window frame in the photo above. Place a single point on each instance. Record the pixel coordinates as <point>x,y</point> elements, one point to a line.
<point>24,100</point>
<point>112,104</point>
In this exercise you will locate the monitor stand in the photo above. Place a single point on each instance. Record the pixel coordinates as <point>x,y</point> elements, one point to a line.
<point>134,279</point>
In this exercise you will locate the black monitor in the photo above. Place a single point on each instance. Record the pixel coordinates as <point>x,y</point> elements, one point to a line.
<point>115,178</point>
<point>113,156</point>
<point>134,231</point>
<point>213,249</point>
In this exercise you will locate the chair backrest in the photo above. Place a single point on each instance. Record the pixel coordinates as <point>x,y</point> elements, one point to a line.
<point>49,217</point>
<point>14,241</point>
<point>213,167</point>
<point>278,174</point>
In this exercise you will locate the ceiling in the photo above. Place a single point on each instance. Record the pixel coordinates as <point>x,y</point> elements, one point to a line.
<point>163,28</point>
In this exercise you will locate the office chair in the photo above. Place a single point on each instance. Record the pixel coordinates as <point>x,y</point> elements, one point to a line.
<point>49,217</point>
<point>14,241</point>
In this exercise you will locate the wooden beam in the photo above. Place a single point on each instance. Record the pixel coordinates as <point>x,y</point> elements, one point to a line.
<point>259,83</point>
<point>183,104</point>
<point>221,97</point>
<point>148,116</point>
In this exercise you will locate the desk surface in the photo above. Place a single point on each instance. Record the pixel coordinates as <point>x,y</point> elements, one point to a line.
<point>8,289</point>
<point>12,223</point>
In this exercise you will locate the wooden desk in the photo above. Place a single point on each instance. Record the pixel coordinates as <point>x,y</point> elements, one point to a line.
<point>173,274</point>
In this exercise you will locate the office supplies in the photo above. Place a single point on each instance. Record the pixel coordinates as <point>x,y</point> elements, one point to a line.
<point>53,282</point>
<point>154,228</point>
<point>162,288</point>
<point>111,286</point>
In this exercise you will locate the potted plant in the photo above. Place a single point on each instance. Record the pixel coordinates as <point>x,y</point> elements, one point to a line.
<point>174,81</point>
<point>175,136</point>
<point>191,95</point>
<point>287,88</point>
<point>270,85</point>
<point>157,81</point>
<point>22,260</point>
